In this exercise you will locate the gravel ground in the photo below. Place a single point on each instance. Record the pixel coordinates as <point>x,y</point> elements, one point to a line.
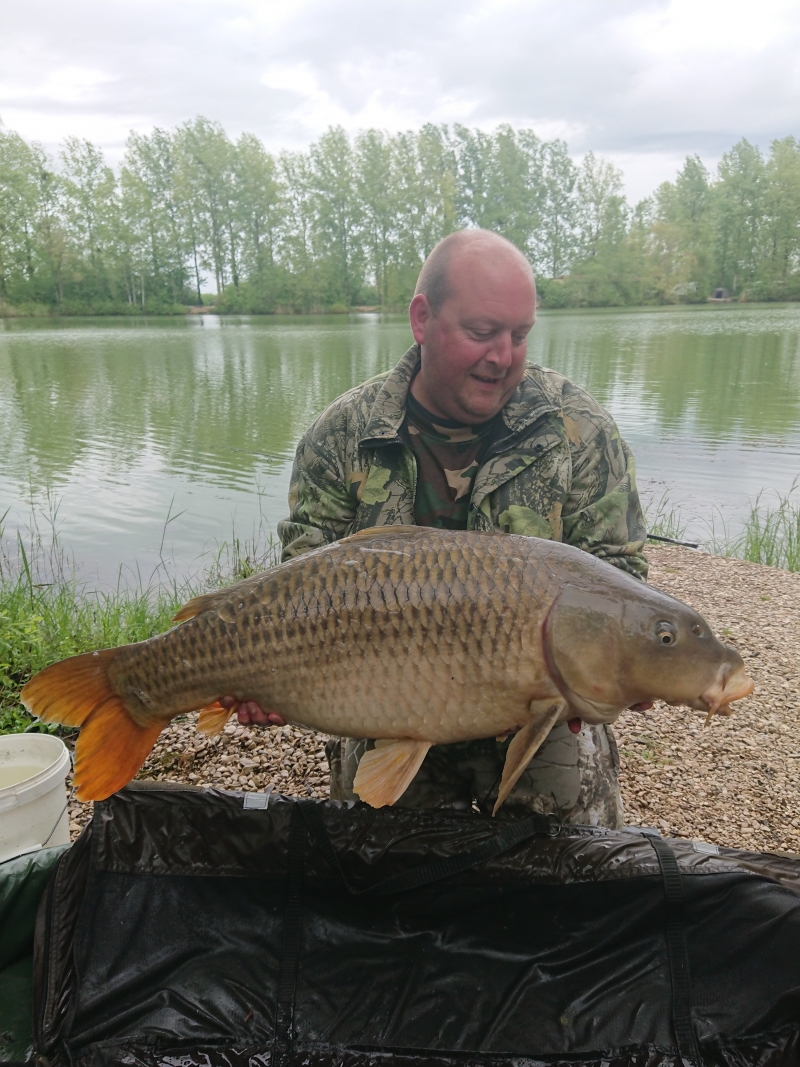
<point>734,783</point>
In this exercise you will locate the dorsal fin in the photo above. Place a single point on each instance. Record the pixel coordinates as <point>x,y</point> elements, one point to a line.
<point>409,532</point>
<point>197,605</point>
<point>208,601</point>
<point>383,531</point>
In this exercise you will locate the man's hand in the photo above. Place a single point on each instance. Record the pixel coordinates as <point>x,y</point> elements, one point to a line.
<point>250,713</point>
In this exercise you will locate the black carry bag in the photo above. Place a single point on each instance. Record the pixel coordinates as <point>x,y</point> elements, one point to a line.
<point>198,927</point>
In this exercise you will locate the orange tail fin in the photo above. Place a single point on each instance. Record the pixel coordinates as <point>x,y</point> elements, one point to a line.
<point>111,747</point>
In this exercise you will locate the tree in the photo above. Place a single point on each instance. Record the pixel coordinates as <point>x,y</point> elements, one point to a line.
<point>258,204</point>
<point>425,195</point>
<point>336,216</point>
<point>500,184</point>
<point>90,212</point>
<point>682,233</point>
<point>554,244</point>
<point>296,249</point>
<point>376,194</point>
<point>21,166</point>
<point>737,201</point>
<point>204,164</point>
<point>600,213</point>
<point>435,188</point>
<point>151,213</point>
<point>780,227</point>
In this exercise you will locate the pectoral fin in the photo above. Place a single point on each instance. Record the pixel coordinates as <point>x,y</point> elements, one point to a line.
<point>211,720</point>
<point>544,715</point>
<point>385,772</point>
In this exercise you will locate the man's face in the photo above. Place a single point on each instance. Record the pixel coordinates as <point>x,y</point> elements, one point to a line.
<point>473,351</point>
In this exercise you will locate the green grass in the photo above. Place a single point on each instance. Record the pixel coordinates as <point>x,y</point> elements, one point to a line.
<point>47,613</point>
<point>38,626</point>
<point>770,534</point>
<point>664,520</point>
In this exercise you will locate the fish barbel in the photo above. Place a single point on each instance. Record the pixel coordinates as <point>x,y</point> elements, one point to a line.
<point>411,635</point>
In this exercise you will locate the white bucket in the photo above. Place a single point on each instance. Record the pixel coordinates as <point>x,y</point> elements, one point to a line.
<point>33,796</point>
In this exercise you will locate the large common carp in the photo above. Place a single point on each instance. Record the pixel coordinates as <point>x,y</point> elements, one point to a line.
<point>412,635</point>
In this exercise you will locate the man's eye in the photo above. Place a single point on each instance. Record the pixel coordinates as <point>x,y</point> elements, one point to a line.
<point>518,339</point>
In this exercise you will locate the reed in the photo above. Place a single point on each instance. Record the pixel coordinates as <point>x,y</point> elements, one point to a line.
<point>663,519</point>
<point>770,533</point>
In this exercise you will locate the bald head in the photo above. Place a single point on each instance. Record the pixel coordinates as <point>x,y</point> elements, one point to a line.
<point>464,250</point>
<point>471,314</point>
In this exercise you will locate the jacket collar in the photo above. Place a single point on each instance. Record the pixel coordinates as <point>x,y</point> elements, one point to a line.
<point>530,400</point>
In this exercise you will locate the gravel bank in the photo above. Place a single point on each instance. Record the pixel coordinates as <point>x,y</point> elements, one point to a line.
<point>734,783</point>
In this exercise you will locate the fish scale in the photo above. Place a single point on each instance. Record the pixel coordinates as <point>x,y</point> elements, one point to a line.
<point>412,635</point>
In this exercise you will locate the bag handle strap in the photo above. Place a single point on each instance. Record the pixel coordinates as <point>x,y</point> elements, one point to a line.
<point>677,952</point>
<point>283,1034</point>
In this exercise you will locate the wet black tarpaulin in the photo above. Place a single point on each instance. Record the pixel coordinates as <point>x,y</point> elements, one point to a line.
<point>186,929</point>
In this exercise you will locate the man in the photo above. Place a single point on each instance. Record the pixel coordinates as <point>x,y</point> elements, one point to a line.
<point>463,434</point>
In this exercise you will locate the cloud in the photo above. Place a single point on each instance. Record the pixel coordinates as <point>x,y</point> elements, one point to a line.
<point>643,81</point>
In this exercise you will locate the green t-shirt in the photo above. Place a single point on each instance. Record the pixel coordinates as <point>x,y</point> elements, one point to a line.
<point>449,455</point>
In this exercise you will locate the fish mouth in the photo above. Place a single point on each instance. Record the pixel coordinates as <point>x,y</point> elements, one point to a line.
<point>727,687</point>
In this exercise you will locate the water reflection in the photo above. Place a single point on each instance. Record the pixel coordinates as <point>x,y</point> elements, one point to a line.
<point>714,373</point>
<point>215,404</point>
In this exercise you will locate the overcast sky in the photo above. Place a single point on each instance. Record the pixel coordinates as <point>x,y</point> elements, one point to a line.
<point>643,82</point>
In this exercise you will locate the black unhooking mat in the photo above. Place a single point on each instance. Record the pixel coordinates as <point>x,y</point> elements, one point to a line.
<point>190,927</point>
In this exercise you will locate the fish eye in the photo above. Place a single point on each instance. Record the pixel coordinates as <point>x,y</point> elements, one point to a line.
<point>697,629</point>
<point>665,633</point>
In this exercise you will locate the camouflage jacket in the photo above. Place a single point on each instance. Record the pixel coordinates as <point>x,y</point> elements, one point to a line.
<point>561,471</point>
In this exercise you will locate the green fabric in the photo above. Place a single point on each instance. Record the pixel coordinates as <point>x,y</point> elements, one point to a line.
<point>449,455</point>
<point>22,882</point>
<point>559,469</point>
<point>16,989</point>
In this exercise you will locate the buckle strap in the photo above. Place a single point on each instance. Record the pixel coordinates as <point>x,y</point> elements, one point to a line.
<point>675,931</point>
<point>283,1034</point>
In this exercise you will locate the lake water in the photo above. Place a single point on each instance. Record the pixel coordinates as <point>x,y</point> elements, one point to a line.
<point>152,439</point>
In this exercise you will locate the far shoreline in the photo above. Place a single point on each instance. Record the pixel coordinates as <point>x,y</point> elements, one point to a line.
<point>22,314</point>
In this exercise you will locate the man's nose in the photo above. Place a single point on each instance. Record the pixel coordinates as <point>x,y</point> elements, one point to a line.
<point>500,351</point>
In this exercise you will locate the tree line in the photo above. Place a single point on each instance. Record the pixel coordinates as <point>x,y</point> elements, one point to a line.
<point>349,221</point>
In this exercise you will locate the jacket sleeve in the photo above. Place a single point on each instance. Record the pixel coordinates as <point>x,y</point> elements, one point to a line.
<point>321,505</point>
<point>602,513</point>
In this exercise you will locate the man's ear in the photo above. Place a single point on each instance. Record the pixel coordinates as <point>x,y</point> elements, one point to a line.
<point>420,316</point>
